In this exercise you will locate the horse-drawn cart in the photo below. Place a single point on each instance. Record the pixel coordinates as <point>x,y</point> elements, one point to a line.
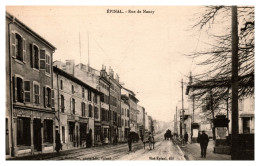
<point>148,138</point>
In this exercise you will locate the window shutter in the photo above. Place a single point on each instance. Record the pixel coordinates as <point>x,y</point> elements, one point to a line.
<point>44,96</point>
<point>13,44</point>
<point>15,88</point>
<point>42,59</point>
<point>27,91</point>
<point>24,50</point>
<point>32,55</point>
<point>70,105</point>
<point>52,99</point>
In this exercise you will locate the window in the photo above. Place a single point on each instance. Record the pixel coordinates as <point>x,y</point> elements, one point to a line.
<point>48,131</point>
<point>63,134</point>
<point>72,89</point>
<point>47,96</point>
<point>35,57</point>
<point>127,112</point>
<point>18,46</point>
<point>103,113</point>
<point>19,90</point>
<point>96,113</point>
<point>48,63</point>
<point>27,91</point>
<point>102,97</point>
<point>42,59</point>
<point>83,92</point>
<point>122,111</point>
<point>89,95</point>
<point>73,105</point>
<point>95,98</point>
<point>36,93</point>
<point>90,110</point>
<point>61,84</point>
<point>83,110</point>
<point>62,103</point>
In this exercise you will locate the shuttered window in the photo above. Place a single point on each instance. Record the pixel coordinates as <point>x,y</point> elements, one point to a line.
<point>35,59</point>
<point>36,92</point>
<point>27,91</point>
<point>42,59</point>
<point>18,46</point>
<point>48,64</point>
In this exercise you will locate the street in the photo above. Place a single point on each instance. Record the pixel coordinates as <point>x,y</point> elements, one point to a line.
<point>163,150</point>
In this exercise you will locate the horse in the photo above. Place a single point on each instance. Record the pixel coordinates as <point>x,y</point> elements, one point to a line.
<point>150,141</point>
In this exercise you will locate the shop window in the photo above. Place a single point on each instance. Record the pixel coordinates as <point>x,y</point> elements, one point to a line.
<point>71,131</point>
<point>48,131</point>
<point>23,131</point>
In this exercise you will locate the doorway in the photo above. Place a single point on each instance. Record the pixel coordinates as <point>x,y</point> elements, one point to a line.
<point>37,138</point>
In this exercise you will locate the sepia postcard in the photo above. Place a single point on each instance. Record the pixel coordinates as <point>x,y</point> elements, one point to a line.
<point>149,83</point>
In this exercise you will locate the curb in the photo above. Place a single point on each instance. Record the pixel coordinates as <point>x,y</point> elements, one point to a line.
<point>181,152</point>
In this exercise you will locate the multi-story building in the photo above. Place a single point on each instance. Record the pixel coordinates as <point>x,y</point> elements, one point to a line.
<point>30,114</point>
<point>79,106</point>
<point>133,108</point>
<point>115,105</point>
<point>104,99</point>
<point>140,119</point>
<point>125,114</point>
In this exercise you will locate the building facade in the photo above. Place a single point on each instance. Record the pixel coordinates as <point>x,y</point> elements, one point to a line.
<point>125,117</point>
<point>79,108</point>
<point>30,113</point>
<point>104,99</point>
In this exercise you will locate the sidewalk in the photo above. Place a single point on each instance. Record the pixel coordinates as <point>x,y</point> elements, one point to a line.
<point>192,152</point>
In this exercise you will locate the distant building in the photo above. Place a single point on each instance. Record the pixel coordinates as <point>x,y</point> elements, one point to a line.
<point>30,114</point>
<point>125,115</point>
<point>133,108</point>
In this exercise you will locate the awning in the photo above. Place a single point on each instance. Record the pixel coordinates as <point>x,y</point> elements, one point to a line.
<point>250,115</point>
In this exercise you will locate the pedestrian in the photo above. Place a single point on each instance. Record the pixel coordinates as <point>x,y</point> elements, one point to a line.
<point>89,139</point>
<point>203,139</point>
<point>186,137</point>
<point>129,140</point>
<point>58,144</point>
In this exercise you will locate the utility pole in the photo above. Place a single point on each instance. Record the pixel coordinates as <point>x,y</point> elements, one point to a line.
<point>182,134</point>
<point>234,84</point>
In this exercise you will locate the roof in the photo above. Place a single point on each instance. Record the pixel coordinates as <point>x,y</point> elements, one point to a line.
<point>29,30</point>
<point>72,78</point>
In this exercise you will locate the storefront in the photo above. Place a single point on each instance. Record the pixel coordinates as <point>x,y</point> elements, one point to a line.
<point>33,131</point>
<point>97,133</point>
<point>83,125</point>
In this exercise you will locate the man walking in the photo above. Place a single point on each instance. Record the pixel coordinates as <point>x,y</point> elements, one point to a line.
<point>129,140</point>
<point>186,137</point>
<point>203,139</point>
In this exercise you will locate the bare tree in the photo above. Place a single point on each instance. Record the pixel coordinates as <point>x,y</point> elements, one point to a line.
<point>217,58</point>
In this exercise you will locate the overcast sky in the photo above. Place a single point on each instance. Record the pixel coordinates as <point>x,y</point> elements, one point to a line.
<point>146,50</point>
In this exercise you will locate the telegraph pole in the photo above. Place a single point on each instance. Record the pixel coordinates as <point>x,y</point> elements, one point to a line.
<point>234,84</point>
<point>182,134</point>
